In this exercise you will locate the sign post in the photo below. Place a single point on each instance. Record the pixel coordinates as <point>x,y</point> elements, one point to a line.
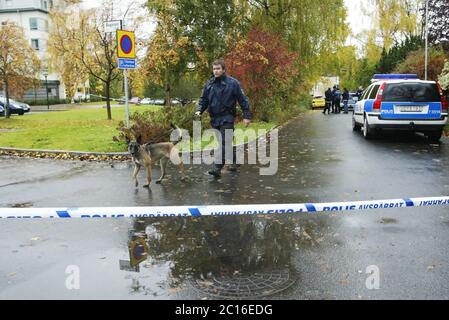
<point>126,53</point>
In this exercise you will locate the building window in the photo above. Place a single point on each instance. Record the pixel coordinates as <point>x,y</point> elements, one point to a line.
<point>8,3</point>
<point>35,44</point>
<point>38,24</point>
<point>33,24</point>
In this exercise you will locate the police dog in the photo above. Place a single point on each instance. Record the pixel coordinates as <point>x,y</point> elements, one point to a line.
<point>145,155</point>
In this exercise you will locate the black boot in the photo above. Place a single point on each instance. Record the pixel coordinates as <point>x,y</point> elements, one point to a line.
<point>215,172</point>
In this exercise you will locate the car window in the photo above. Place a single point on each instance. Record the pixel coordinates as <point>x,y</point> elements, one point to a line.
<point>366,92</point>
<point>373,93</point>
<point>415,92</point>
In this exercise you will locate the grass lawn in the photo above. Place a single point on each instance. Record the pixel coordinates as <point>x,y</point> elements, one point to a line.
<point>76,129</point>
<point>98,103</point>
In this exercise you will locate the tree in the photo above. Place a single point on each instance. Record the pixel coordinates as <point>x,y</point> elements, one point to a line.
<point>206,24</point>
<point>444,76</point>
<point>263,64</point>
<point>414,63</point>
<point>167,55</point>
<point>314,29</point>
<point>19,64</point>
<point>439,22</point>
<point>396,20</point>
<point>78,42</point>
<point>398,53</point>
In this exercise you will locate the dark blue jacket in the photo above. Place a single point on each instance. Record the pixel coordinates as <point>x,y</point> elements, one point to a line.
<point>329,95</point>
<point>220,97</point>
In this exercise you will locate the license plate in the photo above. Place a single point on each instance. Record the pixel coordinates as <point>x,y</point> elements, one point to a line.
<point>410,109</point>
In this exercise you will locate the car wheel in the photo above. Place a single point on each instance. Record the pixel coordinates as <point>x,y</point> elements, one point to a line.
<point>21,113</point>
<point>367,132</point>
<point>355,125</point>
<point>434,137</point>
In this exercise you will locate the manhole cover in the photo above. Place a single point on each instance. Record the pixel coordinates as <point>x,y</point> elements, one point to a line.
<point>249,286</point>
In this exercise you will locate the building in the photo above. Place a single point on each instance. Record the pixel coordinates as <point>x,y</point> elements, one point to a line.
<point>320,87</point>
<point>34,17</point>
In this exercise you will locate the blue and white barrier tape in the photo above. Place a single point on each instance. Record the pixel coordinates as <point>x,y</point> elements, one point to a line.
<point>216,210</point>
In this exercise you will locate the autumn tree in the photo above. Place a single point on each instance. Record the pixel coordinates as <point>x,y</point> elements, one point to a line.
<point>396,20</point>
<point>415,63</point>
<point>167,55</point>
<point>78,42</point>
<point>206,24</point>
<point>314,29</point>
<point>263,64</point>
<point>19,64</point>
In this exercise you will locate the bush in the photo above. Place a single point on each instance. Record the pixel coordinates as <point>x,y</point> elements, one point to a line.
<point>43,102</point>
<point>414,63</point>
<point>155,126</point>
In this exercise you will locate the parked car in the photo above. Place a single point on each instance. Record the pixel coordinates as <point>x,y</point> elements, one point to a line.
<point>318,102</point>
<point>25,107</point>
<point>134,100</point>
<point>352,100</point>
<point>2,111</point>
<point>13,107</point>
<point>401,102</point>
<point>159,102</point>
<point>121,100</point>
<point>147,101</point>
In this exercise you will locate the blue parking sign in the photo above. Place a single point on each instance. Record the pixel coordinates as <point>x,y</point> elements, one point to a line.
<point>124,63</point>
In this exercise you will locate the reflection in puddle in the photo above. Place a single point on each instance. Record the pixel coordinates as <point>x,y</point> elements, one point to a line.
<point>222,257</point>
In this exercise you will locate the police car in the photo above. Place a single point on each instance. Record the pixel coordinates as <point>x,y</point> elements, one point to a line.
<point>401,102</point>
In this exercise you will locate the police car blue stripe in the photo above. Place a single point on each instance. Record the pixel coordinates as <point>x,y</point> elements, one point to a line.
<point>195,212</point>
<point>409,202</point>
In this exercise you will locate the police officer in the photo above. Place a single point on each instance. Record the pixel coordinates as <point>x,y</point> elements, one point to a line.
<point>220,95</point>
<point>328,96</point>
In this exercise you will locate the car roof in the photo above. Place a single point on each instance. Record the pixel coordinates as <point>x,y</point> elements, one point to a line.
<point>403,81</point>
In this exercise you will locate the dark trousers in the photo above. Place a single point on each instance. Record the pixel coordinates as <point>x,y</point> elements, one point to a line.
<point>327,107</point>
<point>336,106</point>
<point>222,134</point>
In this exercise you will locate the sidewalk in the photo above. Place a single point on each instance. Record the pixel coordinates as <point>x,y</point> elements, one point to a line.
<point>70,106</point>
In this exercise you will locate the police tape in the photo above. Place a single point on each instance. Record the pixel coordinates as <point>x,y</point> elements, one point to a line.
<point>216,210</point>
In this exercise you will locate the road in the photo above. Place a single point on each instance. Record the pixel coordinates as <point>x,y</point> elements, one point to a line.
<point>322,256</point>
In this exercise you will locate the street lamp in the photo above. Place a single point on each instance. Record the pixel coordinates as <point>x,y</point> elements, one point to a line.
<point>46,89</point>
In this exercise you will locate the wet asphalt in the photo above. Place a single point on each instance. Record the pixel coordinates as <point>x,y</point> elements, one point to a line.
<point>321,256</point>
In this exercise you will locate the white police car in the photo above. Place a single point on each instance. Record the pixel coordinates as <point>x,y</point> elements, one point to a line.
<point>401,102</point>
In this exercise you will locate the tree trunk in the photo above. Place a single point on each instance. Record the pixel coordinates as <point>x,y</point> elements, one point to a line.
<point>108,99</point>
<point>167,88</point>
<point>7,107</point>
